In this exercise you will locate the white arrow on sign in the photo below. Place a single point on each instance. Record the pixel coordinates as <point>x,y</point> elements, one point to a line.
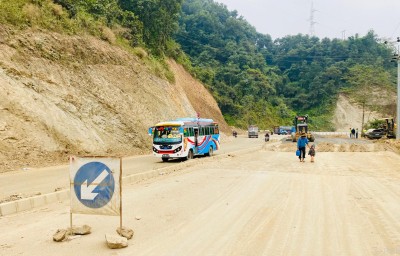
<point>87,190</point>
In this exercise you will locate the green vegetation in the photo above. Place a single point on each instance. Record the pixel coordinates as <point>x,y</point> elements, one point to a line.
<point>110,20</point>
<point>255,79</point>
<point>259,80</point>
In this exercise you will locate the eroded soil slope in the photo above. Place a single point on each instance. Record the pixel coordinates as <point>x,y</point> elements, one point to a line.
<point>63,95</point>
<point>350,115</point>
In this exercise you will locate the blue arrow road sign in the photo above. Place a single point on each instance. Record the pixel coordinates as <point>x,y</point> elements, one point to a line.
<point>94,184</point>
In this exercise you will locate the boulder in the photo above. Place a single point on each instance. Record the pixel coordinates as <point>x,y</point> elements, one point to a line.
<point>60,235</point>
<point>125,232</point>
<point>81,230</point>
<point>116,242</point>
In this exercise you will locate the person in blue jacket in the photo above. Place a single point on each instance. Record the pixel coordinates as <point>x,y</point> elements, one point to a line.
<point>302,143</point>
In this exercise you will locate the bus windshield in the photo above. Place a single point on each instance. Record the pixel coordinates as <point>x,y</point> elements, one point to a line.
<point>167,135</point>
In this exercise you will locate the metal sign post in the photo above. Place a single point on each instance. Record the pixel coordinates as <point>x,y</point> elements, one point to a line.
<point>96,186</point>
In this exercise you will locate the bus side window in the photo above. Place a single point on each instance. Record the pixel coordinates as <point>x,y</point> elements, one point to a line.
<point>186,132</point>
<point>208,130</point>
<point>191,132</point>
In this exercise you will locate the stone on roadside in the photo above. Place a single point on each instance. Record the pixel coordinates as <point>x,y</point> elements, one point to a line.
<point>125,232</point>
<point>72,237</point>
<point>59,236</point>
<point>116,242</point>
<point>81,230</point>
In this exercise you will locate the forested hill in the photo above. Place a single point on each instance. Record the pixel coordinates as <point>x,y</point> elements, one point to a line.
<point>254,78</point>
<point>260,80</point>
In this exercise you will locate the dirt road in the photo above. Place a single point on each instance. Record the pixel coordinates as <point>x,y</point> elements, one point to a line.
<point>31,181</point>
<point>264,203</point>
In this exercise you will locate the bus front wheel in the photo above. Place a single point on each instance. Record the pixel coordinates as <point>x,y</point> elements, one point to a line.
<point>190,155</point>
<point>164,159</point>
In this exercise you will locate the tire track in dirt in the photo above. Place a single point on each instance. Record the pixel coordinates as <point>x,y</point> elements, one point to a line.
<point>371,196</point>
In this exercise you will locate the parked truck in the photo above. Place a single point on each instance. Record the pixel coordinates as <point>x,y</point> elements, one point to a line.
<point>301,126</point>
<point>282,130</point>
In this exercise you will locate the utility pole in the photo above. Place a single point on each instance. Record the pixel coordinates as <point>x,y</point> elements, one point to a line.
<point>362,121</point>
<point>311,19</point>
<point>398,92</point>
<point>396,57</point>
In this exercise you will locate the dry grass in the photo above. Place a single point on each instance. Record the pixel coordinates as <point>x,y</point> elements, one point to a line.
<point>108,35</point>
<point>57,10</point>
<point>140,52</point>
<point>32,12</point>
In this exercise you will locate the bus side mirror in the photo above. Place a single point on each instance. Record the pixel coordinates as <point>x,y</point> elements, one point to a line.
<point>150,131</point>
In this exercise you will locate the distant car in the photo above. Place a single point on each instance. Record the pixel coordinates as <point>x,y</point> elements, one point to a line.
<point>284,132</point>
<point>374,133</point>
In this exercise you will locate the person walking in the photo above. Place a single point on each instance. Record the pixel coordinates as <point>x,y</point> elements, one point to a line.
<point>357,133</point>
<point>311,152</point>
<point>301,145</point>
<point>350,133</point>
<point>353,132</point>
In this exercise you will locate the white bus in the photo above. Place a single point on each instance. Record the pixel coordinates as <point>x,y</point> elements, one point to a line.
<point>185,138</point>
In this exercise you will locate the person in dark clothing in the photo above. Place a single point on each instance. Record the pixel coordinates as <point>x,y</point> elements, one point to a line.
<point>301,145</point>
<point>234,134</point>
<point>311,152</point>
<point>266,137</point>
<point>357,133</point>
<point>353,132</point>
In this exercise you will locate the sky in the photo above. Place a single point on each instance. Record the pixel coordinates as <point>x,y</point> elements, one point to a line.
<point>332,18</point>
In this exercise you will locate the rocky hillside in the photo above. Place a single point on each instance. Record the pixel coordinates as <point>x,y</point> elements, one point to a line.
<point>63,95</point>
<point>348,114</point>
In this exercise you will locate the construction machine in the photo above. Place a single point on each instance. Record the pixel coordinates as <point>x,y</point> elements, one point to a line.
<point>301,126</point>
<point>389,127</point>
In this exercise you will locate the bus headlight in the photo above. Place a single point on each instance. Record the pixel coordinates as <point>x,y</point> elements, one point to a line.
<point>155,150</point>
<point>178,149</point>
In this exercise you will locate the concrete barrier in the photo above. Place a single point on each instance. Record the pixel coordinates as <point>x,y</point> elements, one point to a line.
<point>331,133</point>
<point>8,208</point>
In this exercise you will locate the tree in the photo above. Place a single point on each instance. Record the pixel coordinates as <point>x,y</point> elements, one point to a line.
<point>159,18</point>
<point>364,79</point>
